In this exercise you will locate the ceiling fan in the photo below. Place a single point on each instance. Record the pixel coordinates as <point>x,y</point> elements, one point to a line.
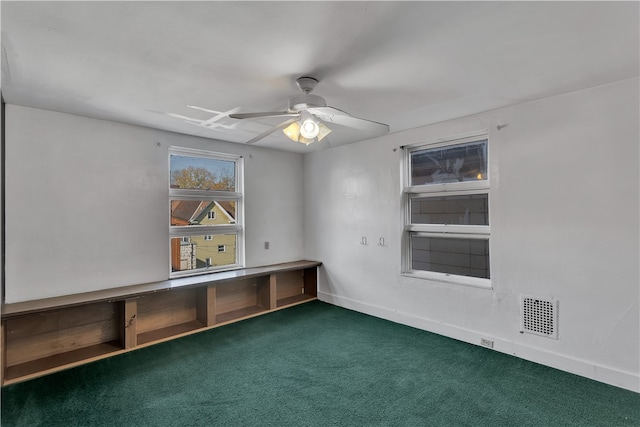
<point>307,115</point>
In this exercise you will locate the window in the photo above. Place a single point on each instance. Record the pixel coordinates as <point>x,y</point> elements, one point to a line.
<point>205,197</point>
<point>447,230</point>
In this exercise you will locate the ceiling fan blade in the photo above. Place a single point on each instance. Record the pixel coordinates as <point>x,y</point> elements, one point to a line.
<point>178,116</point>
<point>233,110</point>
<point>265,114</point>
<point>273,129</point>
<point>333,115</point>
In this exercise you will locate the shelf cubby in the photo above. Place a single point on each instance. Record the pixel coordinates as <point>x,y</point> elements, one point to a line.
<point>295,287</point>
<point>48,340</point>
<point>166,314</point>
<point>242,299</point>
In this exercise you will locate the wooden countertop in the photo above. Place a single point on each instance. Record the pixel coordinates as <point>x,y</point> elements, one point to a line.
<point>124,292</point>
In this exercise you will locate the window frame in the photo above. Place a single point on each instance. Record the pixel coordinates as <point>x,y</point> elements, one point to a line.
<point>447,231</point>
<point>237,196</point>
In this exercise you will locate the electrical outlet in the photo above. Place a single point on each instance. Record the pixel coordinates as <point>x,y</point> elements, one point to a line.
<point>266,245</point>
<point>485,342</point>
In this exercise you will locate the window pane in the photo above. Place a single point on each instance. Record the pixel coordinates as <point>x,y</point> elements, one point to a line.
<point>467,210</point>
<point>464,257</point>
<point>454,163</point>
<point>199,252</point>
<point>202,212</point>
<point>200,173</point>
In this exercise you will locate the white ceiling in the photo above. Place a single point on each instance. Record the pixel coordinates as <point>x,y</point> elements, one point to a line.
<point>406,64</point>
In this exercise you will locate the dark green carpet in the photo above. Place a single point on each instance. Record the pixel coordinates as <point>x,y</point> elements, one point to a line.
<point>316,365</point>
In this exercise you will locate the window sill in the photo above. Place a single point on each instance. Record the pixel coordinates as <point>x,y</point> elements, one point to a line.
<point>201,271</point>
<point>474,282</point>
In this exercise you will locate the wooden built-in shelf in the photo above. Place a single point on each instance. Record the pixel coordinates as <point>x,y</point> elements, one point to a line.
<point>44,336</point>
<point>293,300</point>
<point>158,335</point>
<point>45,365</point>
<point>243,313</point>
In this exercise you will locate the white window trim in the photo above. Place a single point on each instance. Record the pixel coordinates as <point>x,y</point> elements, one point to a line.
<point>475,282</point>
<point>457,188</point>
<point>443,230</point>
<point>213,196</point>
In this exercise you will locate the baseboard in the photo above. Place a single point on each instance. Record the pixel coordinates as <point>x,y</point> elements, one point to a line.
<point>604,374</point>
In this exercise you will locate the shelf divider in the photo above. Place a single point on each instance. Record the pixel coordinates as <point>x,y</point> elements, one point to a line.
<point>3,352</point>
<point>206,305</point>
<point>129,323</point>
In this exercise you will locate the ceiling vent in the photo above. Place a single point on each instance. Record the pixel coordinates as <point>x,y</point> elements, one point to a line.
<point>539,316</point>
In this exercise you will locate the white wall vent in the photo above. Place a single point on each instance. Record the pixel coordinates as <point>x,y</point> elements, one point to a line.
<point>539,316</point>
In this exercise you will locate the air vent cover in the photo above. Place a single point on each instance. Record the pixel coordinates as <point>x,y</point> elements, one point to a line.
<point>539,316</point>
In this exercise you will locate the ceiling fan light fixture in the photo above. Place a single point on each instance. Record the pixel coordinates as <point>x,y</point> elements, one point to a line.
<point>309,129</point>
<point>305,133</point>
<point>292,131</point>
<point>306,141</point>
<point>324,131</point>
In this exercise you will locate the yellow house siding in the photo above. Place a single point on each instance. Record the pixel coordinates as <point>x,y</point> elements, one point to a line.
<point>209,248</point>
<point>221,217</point>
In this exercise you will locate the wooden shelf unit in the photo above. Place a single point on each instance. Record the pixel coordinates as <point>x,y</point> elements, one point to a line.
<point>44,336</point>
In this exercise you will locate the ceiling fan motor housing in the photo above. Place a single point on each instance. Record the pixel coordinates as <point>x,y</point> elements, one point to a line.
<point>303,102</point>
<point>306,84</point>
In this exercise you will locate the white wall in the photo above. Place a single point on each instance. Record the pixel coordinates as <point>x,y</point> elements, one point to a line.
<point>87,203</point>
<point>564,220</point>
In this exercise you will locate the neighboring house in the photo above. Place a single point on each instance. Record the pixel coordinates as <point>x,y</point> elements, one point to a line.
<point>203,250</point>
